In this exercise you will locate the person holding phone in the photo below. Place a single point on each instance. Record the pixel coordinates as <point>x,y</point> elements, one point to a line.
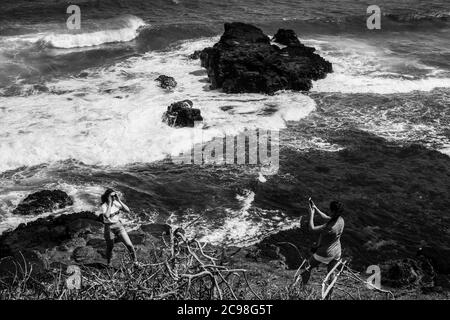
<point>328,248</point>
<point>111,207</point>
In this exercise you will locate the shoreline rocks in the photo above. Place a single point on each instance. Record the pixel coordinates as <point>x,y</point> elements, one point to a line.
<point>71,239</point>
<point>245,60</point>
<point>53,243</point>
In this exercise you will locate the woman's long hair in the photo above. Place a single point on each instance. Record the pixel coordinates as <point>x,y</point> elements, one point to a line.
<point>105,196</point>
<point>337,210</point>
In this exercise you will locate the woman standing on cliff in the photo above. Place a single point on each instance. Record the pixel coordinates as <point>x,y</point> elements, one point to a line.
<point>328,248</point>
<point>111,207</point>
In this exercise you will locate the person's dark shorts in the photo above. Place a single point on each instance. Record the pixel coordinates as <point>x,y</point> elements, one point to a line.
<point>113,231</point>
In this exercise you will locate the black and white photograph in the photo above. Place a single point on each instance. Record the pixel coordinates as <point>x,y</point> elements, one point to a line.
<point>196,151</point>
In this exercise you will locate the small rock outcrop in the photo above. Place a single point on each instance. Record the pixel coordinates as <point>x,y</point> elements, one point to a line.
<point>246,60</point>
<point>399,273</point>
<point>288,38</point>
<point>195,55</point>
<point>439,258</point>
<point>166,82</point>
<point>182,114</point>
<point>43,201</point>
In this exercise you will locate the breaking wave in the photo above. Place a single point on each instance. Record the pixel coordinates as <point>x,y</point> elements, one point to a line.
<point>127,30</point>
<point>112,116</point>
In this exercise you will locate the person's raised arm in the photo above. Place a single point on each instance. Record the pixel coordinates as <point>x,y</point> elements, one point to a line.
<point>124,206</point>
<point>312,227</point>
<point>107,213</point>
<point>323,215</point>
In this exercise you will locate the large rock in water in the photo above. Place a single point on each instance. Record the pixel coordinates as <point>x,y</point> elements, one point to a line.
<point>245,60</point>
<point>182,114</point>
<point>166,82</point>
<point>43,201</point>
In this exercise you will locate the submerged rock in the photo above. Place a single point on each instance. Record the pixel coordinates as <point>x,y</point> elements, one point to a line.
<point>182,114</point>
<point>166,82</point>
<point>43,201</point>
<point>244,60</point>
<point>195,55</point>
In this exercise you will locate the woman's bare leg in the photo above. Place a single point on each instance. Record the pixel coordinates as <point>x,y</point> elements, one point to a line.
<point>312,263</point>
<point>109,244</point>
<point>127,242</point>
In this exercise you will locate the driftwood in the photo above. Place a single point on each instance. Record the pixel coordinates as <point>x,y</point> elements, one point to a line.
<point>197,266</point>
<point>179,268</point>
<point>351,278</point>
<point>326,289</point>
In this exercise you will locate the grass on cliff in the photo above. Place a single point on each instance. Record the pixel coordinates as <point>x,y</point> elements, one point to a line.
<point>185,269</point>
<point>155,282</point>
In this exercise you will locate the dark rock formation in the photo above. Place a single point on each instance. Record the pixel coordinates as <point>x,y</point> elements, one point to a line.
<point>287,38</point>
<point>77,238</point>
<point>439,258</point>
<point>181,114</point>
<point>195,55</point>
<point>244,60</point>
<point>442,280</point>
<point>156,229</point>
<point>85,254</point>
<point>50,232</point>
<point>43,201</point>
<point>46,242</point>
<point>293,244</point>
<point>166,82</point>
<point>399,273</point>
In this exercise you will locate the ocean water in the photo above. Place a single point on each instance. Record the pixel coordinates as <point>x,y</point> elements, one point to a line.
<point>80,110</point>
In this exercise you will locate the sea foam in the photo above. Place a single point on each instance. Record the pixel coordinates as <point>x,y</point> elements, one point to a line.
<point>112,117</point>
<point>363,67</point>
